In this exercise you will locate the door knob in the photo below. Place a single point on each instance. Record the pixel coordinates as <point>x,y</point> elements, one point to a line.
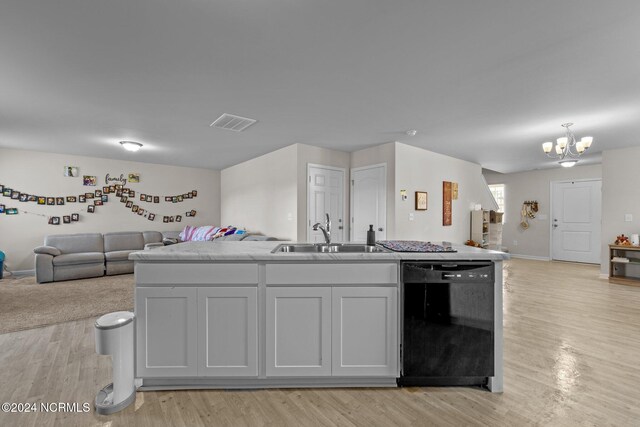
<point>340,227</point>
<point>380,229</point>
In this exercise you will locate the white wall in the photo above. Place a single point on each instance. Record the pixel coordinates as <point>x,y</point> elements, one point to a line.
<point>261,194</point>
<point>385,153</point>
<point>620,196</point>
<point>421,170</point>
<point>41,174</point>
<point>322,156</point>
<point>534,185</point>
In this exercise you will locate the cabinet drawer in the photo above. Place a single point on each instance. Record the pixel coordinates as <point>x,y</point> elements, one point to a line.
<point>196,274</point>
<point>332,274</point>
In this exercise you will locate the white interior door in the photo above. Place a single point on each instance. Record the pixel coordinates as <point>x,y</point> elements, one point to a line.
<point>325,195</point>
<point>576,221</point>
<point>368,202</point>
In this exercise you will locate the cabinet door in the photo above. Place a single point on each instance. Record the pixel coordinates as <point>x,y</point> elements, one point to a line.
<point>365,331</point>
<point>298,331</point>
<point>228,331</point>
<point>166,332</point>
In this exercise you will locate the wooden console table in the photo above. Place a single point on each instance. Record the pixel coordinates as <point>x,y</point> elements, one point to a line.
<point>618,269</point>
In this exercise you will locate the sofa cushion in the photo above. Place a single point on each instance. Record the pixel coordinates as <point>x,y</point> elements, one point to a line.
<point>123,241</point>
<point>232,237</point>
<point>76,243</point>
<point>77,259</point>
<point>152,237</point>
<point>118,255</point>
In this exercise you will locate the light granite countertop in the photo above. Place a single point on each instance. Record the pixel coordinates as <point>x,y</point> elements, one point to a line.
<point>261,251</point>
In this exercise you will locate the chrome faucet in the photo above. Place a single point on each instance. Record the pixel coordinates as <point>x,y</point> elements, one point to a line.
<point>326,230</point>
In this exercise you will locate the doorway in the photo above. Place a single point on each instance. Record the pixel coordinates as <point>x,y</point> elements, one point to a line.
<point>576,211</point>
<point>325,194</point>
<point>369,202</point>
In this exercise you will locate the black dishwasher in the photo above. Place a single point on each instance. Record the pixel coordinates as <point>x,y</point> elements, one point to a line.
<point>448,323</point>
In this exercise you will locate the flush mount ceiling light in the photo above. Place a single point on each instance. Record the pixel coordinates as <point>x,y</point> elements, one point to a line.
<point>130,145</point>
<point>411,132</point>
<point>567,146</point>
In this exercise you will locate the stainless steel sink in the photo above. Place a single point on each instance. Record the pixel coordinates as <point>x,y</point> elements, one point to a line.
<point>324,248</point>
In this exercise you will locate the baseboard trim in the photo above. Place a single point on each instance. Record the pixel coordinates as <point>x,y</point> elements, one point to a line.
<point>604,276</point>
<point>535,258</point>
<point>23,272</point>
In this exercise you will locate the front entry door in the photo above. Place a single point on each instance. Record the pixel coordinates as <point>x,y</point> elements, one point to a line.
<point>576,221</point>
<point>368,202</point>
<point>325,195</point>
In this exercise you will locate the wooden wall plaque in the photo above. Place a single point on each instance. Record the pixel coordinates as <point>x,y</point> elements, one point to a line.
<point>446,203</point>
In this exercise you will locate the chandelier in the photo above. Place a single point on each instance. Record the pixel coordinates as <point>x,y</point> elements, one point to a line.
<point>567,148</point>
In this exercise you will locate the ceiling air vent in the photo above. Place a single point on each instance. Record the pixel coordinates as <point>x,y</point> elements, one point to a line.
<point>231,122</point>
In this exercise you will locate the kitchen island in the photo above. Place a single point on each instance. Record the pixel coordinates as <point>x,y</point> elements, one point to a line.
<point>236,315</point>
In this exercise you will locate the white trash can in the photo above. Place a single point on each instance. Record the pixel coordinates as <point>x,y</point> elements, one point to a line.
<point>114,337</point>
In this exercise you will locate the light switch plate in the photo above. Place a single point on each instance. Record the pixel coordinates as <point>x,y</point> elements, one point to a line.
<point>628,217</point>
<point>410,216</point>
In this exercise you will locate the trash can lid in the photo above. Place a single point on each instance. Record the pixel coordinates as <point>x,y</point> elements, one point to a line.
<point>115,320</point>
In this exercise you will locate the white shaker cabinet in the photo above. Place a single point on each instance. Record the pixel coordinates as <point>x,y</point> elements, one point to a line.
<point>227,331</point>
<point>166,320</point>
<point>298,331</point>
<point>365,331</point>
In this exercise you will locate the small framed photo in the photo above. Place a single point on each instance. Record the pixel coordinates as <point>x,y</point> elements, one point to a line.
<point>168,198</point>
<point>421,200</point>
<point>97,202</point>
<point>189,195</point>
<point>59,200</point>
<point>15,195</point>
<point>125,191</point>
<point>2,208</point>
<point>98,193</point>
<point>55,220</point>
<point>124,199</point>
<point>89,180</point>
<point>151,217</point>
<point>23,197</point>
<point>134,177</point>
<point>132,193</point>
<point>51,201</point>
<point>11,211</point>
<point>89,195</point>
<point>119,193</point>
<point>105,198</point>
<point>91,208</point>
<point>106,190</point>
<point>82,198</point>
<point>71,199</point>
<point>75,217</point>
<point>31,198</point>
<point>165,219</point>
<point>71,171</point>
<point>178,218</point>
<point>42,200</point>
<point>193,212</point>
<point>170,219</point>
<point>6,192</point>
<point>143,197</point>
<point>174,199</point>
<point>118,187</point>
<point>135,208</point>
<point>129,204</point>
<point>195,193</point>
<point>149,198</point>
<point>180,198</point>
<point>140,211</point>
<point>112,188</point>
<point>1,188</point>
<point>187,214</point>
<point>66,219</point>
<point>156,199</point>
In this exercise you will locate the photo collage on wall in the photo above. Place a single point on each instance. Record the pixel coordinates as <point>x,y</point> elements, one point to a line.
<point>93,199</point>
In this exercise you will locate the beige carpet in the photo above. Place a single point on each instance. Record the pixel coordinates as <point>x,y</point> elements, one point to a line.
<point>24,304</point>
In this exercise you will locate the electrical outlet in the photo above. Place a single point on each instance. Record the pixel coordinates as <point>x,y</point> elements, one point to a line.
<point>290,216</point>
<point>515,243</point>
<point>628,217</point>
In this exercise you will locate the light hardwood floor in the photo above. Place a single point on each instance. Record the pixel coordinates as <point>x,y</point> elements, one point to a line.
<point>572,357</point>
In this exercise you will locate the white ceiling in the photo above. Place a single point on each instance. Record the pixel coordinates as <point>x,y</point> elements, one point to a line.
<point>486,81</point>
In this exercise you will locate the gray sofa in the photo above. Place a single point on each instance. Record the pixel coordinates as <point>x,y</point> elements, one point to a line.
<point>79,256</point>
